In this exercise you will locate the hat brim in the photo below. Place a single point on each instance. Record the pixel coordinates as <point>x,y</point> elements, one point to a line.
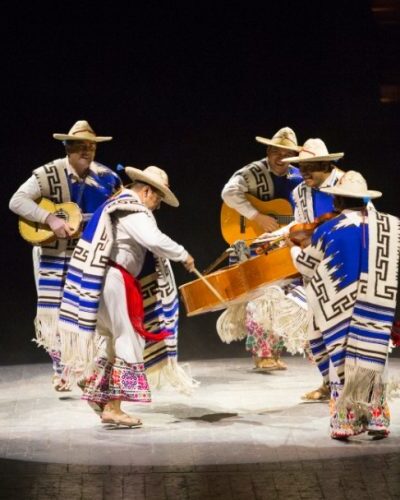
<point>138,175</point>
<point>337,191</point>
<point>66,137</point>
<point>272,142</point>
<point>330,157</point>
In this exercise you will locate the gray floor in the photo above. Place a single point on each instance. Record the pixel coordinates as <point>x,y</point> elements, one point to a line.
<point>235,416</point>
<point>240,435</point>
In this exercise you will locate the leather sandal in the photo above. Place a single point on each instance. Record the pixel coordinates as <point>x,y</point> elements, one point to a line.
<point>122,419</point>
<point>266,364</point>
<point>281,364</point>
<point>319,395</point>
<point>60,385</point>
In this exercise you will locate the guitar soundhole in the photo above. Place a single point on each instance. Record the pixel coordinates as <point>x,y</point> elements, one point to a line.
<point>63,215</point>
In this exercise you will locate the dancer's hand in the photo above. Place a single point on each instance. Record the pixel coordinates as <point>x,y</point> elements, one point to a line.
<point>189,263</point>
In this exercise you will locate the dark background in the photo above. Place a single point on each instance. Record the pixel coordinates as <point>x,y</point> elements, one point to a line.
<point>186,88</point>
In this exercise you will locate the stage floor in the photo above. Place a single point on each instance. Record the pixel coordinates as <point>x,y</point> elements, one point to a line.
<point>235,416</point>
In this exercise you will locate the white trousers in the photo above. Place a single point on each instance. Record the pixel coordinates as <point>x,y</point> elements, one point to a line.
<point>113,323</point>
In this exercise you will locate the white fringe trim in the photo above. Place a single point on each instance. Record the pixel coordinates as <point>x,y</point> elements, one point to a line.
<point>172,373</point>
<point>362,387</point>
<point>46,331</point>
<point>291,322</point>
<point>78,353</point>
<point>231,324</point>
<point>284,316</point>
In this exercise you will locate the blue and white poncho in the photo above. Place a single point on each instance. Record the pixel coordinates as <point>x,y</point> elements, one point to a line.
<point>351,268</point>
<point>77,323</point>
<point>58,184</point>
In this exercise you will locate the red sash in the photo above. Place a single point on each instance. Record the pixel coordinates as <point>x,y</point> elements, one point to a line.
<point>134,301</point>
<point>395,333</point>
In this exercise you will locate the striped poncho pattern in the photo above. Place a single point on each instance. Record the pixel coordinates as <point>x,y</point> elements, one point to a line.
<point>81,298</point>
<point>54,258</point>
<point>353,275</point>
<point>59,186</point>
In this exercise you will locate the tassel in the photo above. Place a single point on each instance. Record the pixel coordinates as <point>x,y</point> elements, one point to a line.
<point>231,324</point>
<point>172,373</point>
<point>360,389</point>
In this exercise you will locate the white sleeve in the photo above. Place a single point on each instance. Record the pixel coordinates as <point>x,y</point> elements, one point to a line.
<point>234,195</point>
<point>282,231</point>
<point>22,202</point>
<point>296,201</point>
<point>144,230</point>
<point>296,214</point>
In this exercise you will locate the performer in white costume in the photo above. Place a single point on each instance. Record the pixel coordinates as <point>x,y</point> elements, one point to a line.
<point>103,296</point>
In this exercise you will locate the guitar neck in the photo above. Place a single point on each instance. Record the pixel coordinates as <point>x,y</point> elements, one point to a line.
<point>283,219</point>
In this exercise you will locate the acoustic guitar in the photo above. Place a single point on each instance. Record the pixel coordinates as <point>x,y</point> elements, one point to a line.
<point>41,234</point>
<point>237,227</point>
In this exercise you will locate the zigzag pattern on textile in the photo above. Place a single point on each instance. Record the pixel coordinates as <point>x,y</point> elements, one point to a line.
<point>259,180</point>
<point>83,285</point>
<point>161,312</point>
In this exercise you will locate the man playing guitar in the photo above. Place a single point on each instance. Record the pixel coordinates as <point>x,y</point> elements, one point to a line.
<point>266,179</point>
<point>75,178</point>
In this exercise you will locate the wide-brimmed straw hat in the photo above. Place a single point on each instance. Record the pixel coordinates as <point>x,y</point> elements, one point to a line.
<point>352,185</point>
<point>81,131</point>
<point>314,150</point>
<point>155,177</point>
<point>285,138</point>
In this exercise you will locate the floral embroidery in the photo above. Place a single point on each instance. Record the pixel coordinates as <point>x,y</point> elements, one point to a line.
<point>349,422</point>
<point>261,343</point>
<point>117,380</point>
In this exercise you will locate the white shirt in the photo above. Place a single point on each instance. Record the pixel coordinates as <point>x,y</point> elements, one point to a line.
<point>134,233</point>
<point>234,193</point>
<point>23,202</point>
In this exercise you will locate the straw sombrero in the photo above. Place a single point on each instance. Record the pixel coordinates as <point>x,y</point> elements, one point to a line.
<point>314,150</point>
<point>81,131</point>
<point>352,185</point>
<point>285,138</point>
<point>155,177</point>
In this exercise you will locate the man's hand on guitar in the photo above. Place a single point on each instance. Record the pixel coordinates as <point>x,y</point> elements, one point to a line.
<point>268,223</point>
<point>59,227</point>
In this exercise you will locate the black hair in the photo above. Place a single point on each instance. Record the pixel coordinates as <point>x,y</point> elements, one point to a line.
<point>343,202</point>
<point>318,166</point>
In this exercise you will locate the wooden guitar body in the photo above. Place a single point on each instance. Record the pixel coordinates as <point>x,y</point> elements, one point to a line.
<point>41,234</point>
<point>237,227</point>
<point>238,283</point>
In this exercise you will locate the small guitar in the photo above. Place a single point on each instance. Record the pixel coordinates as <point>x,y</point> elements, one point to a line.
<point>41,234</point>
<point>237,227</point>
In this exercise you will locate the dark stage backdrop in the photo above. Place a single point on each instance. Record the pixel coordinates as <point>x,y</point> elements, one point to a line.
<point>187,89</point>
